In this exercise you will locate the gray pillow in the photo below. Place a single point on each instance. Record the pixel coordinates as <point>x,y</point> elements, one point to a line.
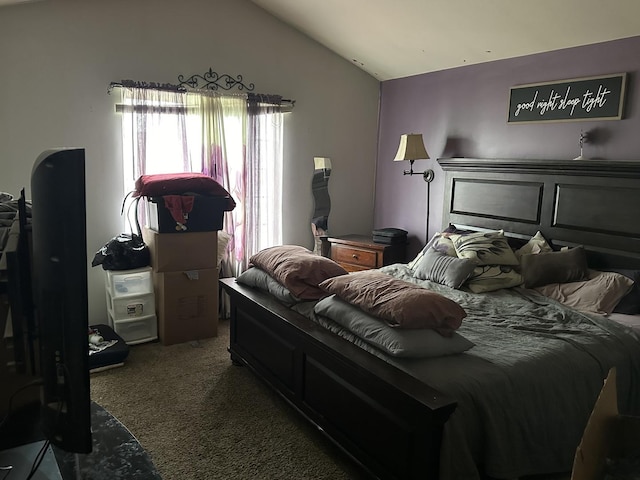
<point>415,343</point>
<point>443,269</point>
<point>554,267</point>
<point>258,278</point>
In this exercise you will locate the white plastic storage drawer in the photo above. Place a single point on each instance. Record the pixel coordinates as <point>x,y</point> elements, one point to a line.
<point>124,308</point>
<point>129,282</point>
<point>138,330</point>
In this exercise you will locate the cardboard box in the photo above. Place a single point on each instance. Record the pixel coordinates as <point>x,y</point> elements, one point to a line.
<point>608,435</point>
<point>179,252</point>
<point>186,305</point>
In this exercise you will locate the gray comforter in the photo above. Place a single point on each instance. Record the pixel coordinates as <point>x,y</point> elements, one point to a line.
<point>526,389</point>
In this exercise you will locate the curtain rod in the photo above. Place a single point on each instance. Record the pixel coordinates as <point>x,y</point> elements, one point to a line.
<point>209,81</point>
<point>168,87</point>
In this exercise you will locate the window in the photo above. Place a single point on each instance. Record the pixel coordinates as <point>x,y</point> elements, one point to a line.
<point>220,135</point>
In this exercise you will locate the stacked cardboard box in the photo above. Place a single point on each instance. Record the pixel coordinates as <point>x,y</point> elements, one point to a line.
<point>185,280</point>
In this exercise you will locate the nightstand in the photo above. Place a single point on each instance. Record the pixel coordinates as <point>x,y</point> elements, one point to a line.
<point>359,252</point>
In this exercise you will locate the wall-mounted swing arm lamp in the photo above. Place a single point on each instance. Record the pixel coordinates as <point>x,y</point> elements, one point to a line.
<point>411,148</point>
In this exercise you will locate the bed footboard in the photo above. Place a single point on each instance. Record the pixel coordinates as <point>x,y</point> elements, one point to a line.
<point>386,420</point>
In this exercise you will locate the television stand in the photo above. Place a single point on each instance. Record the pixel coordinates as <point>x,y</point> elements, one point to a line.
<point>17,462</point>
<point>116,453</point>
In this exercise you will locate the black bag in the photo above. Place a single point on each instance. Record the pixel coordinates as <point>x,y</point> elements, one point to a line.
<point>127,251</point>
<point>124,252</point>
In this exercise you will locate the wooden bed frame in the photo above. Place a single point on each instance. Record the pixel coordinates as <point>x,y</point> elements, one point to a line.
<point>386,420</point>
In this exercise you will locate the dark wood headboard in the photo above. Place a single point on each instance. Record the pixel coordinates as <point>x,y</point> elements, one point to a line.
<point>593,203</point>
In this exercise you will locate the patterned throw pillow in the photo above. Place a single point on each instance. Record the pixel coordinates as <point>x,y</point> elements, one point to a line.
<point>488,278</point>
<point>536,244</point>
<point>440,242</point>
<point>444,269</point>
<point>485,248</point>
<point>444,245</point>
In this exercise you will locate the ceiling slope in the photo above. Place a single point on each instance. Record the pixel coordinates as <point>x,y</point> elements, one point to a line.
<point>399,38</point>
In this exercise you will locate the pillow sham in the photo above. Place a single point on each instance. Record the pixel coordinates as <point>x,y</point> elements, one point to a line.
<point>397,342</point>
<point>443,269</point>
<point>298,269</point>
<point>485,248</point>
<point>488,278</point>
<point>401,304</point>
<point>630,303</point>
<point>554,267</point>
<point>257,278</point>
<point>599,294</point>
<point>536,244</point>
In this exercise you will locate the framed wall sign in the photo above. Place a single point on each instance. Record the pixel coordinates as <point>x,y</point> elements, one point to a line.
<point>589,98</point>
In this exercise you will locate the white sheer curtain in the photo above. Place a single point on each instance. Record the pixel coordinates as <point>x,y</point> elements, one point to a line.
<point>264,177</point>
<point>154,133</point>
<point>224,138</point>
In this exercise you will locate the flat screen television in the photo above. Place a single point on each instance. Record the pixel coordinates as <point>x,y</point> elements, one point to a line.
<point>51,321</point>
<point>58,224</point>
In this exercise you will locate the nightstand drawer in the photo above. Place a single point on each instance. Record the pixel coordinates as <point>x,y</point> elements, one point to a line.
<point>354,256</point>
<point>360,252</point>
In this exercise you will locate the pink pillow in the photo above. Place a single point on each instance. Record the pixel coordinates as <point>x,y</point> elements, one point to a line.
<point>600,294</point>
<point>298,269</point>
<point>401,304</point>
<point>178,183</point>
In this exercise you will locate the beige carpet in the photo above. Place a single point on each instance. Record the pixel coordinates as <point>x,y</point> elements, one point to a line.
<point>200,417</point>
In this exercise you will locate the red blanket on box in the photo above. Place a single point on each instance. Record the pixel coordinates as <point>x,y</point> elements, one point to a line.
<point>181,183</point>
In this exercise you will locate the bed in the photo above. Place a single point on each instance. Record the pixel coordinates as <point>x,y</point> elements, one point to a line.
<point>517,402</point>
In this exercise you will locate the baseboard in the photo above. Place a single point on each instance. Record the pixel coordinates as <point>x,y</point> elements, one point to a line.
<point>106,367</point>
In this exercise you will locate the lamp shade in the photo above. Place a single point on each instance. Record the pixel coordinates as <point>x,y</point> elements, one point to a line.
<point>411,148</point>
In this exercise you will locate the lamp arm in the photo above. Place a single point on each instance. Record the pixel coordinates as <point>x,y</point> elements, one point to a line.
<point>427,175</point>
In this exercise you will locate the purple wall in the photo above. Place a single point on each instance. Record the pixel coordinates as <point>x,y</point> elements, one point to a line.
<point>462,112</point>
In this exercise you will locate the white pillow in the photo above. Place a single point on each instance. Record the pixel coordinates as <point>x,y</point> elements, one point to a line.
<point>485,248</point>
<point>223,241</point>
<point>536,244</point>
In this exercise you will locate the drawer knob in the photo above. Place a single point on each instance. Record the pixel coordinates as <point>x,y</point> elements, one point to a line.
<point>354,255</point>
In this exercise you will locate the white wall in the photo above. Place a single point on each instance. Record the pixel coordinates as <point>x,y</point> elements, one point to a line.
<point>57,58</point>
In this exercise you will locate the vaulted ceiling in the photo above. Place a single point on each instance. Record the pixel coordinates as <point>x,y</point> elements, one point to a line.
<point>398,38</point>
